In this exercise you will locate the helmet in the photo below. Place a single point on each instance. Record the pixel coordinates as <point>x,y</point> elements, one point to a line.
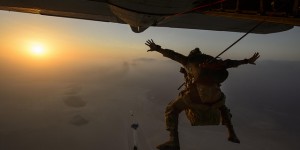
<point>197,56</point>
<point>195,52</point>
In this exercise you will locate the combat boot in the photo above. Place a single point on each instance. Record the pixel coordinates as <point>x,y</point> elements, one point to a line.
<point>172,144</point>
<point>226,120</point>
<point>232,136</point>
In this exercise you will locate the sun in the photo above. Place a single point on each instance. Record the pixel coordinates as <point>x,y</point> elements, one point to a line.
<point>37,50</point>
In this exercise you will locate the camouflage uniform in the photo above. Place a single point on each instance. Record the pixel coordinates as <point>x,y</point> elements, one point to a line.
<point>202,99</point>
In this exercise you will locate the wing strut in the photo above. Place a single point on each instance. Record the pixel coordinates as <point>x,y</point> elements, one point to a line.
<point>196,8</point>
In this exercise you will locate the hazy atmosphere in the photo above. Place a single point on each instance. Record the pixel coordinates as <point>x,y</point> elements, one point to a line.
<point>70,84</point>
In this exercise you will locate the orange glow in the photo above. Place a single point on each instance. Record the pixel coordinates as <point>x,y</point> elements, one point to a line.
<point>38,45</point>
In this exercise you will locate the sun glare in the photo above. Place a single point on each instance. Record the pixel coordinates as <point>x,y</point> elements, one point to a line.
<point>38,49</point>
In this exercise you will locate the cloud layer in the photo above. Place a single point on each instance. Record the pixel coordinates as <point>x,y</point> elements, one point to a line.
<point>90,107</point>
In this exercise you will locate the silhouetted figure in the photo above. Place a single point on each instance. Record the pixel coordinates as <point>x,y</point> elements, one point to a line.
<point>202,99</point>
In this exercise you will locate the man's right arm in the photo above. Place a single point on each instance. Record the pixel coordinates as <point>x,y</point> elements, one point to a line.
<point>167,52</point>
<point>173,55</point>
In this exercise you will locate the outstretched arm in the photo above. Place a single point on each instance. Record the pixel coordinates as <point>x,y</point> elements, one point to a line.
<point>219,64</point>
<point>166,52</point>
<point>235,63</point>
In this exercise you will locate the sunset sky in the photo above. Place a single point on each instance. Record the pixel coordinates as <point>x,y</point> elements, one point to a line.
<point>63,39</point>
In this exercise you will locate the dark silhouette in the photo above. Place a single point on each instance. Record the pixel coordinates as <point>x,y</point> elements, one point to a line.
<point>202,99</point>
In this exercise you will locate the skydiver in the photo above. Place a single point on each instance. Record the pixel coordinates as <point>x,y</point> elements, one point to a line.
<point>202,99</point>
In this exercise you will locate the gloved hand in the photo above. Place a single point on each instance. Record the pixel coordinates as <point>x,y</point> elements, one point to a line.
<point>152,45</point>
<point>253,58</point>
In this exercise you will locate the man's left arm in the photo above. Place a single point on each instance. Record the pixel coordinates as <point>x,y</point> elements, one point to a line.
<point>235,63</point>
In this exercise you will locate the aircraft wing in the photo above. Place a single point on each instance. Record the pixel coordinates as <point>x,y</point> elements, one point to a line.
<point>80,9</point>
<point>140,14</point>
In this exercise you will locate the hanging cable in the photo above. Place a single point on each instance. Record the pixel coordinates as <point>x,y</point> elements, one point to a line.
<point>253,28</point>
